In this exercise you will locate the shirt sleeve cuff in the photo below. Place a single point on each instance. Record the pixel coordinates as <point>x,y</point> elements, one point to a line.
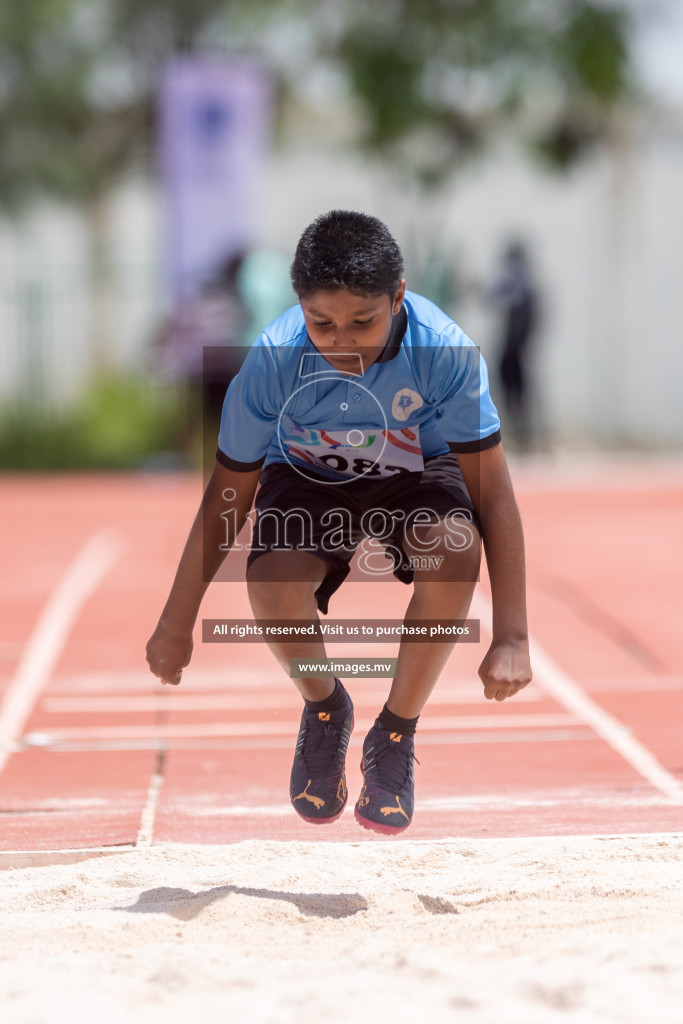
<point>465,447</point>
<point>239,467</point>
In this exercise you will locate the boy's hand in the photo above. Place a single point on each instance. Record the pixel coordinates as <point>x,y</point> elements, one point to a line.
<point>506,669</point>
<point>168,654</point>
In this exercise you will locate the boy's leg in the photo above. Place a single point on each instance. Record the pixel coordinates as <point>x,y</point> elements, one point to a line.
<point>282,585</point>
<point>386,800</point>
<point>445,594</point>
<point>289,563</point>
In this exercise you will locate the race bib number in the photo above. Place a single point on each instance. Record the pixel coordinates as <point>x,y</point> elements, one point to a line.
<point>373,453</point>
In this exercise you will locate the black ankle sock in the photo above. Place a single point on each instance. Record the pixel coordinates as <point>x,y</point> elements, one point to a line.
<point>393,723</point>
<point>335,702</point>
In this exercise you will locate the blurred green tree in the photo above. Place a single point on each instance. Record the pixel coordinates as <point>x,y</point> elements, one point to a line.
<point>454,71</point>
<point>57,138</point>
<point>433,80</point>
<point>78,78</point>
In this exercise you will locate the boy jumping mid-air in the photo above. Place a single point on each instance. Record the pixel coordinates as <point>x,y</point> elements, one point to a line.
<point>363,412</point>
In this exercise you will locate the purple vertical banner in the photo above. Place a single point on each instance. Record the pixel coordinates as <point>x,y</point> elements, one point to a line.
<point>215,128</point>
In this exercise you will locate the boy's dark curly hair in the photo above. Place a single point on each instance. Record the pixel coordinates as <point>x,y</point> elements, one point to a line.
<point>346,249</point>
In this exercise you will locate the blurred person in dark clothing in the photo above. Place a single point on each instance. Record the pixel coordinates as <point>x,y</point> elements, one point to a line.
<point>199,348</point>
<point>514,295</point>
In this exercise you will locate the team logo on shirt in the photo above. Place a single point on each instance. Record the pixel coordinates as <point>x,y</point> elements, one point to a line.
<point>405,401</point>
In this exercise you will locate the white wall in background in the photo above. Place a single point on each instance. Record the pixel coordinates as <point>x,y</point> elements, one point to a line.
<point>605,240</point>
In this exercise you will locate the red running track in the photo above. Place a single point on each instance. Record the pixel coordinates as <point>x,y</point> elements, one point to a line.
<point>96,753</point>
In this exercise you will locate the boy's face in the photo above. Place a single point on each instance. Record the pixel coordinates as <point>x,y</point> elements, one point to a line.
<point>348,329</point>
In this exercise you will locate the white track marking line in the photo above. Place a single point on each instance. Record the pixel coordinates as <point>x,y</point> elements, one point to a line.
<point>149,811</point>
<point>187,701</point>
<point>50,634</point>
<point>196,807</point>
<point>181,730</point>
<point>259,690</point>
<point>581,733</point>
<point>574,698</point>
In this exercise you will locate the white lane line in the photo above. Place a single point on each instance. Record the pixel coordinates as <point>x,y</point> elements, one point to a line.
<point>183,730</point>
<point>568,693</point>
<point>149,811</point>
<point>182,701</point>
<point>50,634</point>
<point>235,682</point>
<point>434,805</point>
<point>581,733</point>
<point>236,678</point>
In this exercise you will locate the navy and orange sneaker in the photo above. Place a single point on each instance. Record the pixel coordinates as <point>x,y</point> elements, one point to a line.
<point>387,798</point>
<point>317,786</point>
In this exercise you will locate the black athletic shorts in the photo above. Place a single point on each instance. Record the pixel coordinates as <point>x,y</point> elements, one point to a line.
<point>296,512</point>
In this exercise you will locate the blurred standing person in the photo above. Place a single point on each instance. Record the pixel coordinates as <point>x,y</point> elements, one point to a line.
<point>199,349</point>
<point>265,287</point>
<point>513,293</point>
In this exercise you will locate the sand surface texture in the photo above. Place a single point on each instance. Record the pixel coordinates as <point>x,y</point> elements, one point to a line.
<point>498,930</point>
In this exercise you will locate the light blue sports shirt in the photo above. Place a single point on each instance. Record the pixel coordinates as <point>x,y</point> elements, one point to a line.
<point>426,394</point>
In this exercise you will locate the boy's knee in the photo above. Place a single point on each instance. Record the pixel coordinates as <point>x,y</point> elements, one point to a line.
<point>279,600</point>
<point>447,549</point>
<point>280,590</point>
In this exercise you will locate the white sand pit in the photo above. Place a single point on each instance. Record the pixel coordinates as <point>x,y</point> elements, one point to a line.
<point>498,930</point>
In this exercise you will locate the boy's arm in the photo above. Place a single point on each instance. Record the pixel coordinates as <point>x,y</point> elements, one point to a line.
<point>170,647</point>
<point>506,668</point>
